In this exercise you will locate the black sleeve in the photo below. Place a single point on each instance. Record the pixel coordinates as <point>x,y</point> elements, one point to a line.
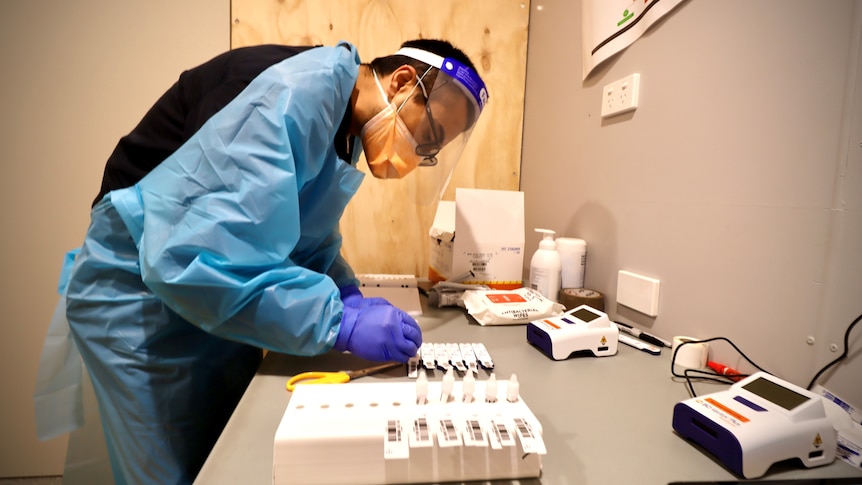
<point>198,94</point>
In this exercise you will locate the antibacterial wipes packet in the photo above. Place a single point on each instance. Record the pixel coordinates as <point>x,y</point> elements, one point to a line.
<point>509,307</point>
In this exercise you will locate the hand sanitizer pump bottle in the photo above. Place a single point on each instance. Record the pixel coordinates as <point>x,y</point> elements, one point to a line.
<point>545,267</point>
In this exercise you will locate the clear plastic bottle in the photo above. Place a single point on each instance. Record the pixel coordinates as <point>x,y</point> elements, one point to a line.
<point>545,267</point>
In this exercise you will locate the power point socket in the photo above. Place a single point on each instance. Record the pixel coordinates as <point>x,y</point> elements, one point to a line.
<point>621,96</point>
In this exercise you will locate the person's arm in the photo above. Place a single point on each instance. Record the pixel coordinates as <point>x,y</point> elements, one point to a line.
<point>328,260</point>
<point>219,221</point>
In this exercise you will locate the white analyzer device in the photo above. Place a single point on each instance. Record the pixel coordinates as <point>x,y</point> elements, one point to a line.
<point>580,330</point>
<point>757,422</point>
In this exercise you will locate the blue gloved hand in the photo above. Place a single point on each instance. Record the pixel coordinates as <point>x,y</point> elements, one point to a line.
<point>378,332</point>
<point>352,297</point>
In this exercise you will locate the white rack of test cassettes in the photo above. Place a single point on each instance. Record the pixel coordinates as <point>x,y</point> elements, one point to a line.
<point>377,433</point>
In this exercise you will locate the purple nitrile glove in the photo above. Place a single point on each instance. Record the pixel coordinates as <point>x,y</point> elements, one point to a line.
<point>352,297</point>
<point>379,333</point>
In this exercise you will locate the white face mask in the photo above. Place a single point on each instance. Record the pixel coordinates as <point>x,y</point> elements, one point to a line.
<point>390,148</point>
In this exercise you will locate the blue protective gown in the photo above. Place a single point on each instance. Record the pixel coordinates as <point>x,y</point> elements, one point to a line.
<point>230,245</point>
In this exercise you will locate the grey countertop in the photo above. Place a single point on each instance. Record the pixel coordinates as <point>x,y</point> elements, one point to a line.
<point>605,420</point>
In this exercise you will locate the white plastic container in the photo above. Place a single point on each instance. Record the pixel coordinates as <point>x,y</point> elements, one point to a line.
<point>573,257</point>
<point>545,267</point>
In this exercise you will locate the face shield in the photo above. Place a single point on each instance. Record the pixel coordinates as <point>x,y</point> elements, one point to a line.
<point>453,104</point>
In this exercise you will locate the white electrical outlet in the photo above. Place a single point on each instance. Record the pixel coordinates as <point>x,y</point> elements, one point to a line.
<point>638,292</point>
<point>621,96</point>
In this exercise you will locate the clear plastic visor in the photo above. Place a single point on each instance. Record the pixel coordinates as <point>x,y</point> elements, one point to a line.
<point>451,113</point>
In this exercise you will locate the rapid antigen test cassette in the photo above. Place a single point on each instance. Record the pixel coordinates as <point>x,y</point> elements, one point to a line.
<point>582,329</point>
<point>758,422</point>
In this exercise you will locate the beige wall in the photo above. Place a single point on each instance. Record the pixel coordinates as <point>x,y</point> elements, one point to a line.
<point>76,76</point>
<point>493,33</point>
<point>737,182</point>
<point>744,201</point>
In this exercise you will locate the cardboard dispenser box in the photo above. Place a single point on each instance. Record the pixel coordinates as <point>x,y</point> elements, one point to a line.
<point>489,225</point>
<point>442,236</point>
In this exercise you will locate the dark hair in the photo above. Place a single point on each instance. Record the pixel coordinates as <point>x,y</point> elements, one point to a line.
<point>387,64</point>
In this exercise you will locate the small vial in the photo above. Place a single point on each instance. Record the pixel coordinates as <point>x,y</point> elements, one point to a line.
<point>491,389</point>
<point>447,385</point>
<point>468,387</point>
<point>513,388</point>
<point>421,388</point>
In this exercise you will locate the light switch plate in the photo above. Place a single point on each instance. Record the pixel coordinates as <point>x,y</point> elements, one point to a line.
<point>638,292</point>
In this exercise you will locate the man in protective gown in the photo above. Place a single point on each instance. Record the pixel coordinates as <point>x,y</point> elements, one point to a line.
<point>215,234</point>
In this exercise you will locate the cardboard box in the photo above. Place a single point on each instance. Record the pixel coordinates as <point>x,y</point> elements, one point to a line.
<point>442,235</point>
<point>489,225</point>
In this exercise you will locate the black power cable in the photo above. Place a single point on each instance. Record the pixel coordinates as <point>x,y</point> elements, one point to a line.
<point>689,374</point>
<point>840,357</point>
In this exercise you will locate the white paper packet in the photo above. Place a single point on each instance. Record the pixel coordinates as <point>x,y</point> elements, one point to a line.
<point>509,307</point>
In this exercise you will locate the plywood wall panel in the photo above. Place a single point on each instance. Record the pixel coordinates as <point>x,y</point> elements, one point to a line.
<point>384,229</point>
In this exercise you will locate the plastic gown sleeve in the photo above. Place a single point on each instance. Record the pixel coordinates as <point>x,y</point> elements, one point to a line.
<point>238,229</point>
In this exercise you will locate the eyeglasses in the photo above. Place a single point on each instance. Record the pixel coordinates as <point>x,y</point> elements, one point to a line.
<point>429,150</point>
